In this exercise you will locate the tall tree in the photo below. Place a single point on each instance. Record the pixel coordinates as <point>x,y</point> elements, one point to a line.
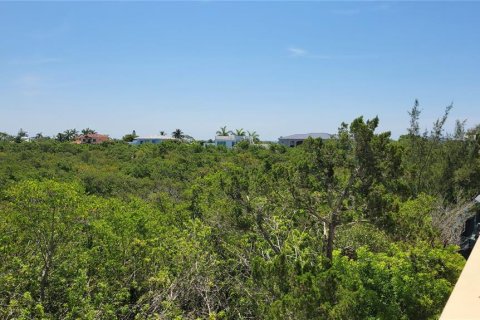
<point>253,135</point>
<point>44,215</point>
<point>67,135</point>
<point>339,175</point>
<point>130,137</point>
<point>414,129</point>
<point>459,131</point>
<point>223,131</point>
<point>178,134</point>
<point>239,132</point>
<point>88,131</point>
<point>21,135</point>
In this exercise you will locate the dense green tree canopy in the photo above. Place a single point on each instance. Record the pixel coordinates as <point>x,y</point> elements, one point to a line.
<point>333,229</point>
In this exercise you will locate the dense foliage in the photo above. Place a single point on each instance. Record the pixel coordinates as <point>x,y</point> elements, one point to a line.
<point>337,229</point>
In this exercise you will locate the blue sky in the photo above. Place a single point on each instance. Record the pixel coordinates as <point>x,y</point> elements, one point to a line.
<point>275,67</point>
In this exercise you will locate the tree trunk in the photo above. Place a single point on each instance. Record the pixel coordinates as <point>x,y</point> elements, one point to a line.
<point>334,217</point>
<point>44,276</point>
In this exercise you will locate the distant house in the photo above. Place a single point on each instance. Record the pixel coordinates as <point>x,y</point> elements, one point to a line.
<point>297,139</point>
<point>230,141</point>
<point>152,139</point>
<point>91,138</point>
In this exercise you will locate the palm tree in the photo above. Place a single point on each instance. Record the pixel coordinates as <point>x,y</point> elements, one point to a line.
<point>21,135</point>
<point>253,135</point>
<point>239,132</point>
<point>61,137</point>
<point>178,134</point>
<point>162,133</point>
<point>130,137</point>
<point>223,131</point>
<point>70,134</point>
<point>88,131</point>
<point>39,136</point>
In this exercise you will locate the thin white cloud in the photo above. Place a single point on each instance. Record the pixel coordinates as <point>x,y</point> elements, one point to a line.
<point>303,53</point>
<point>297,52</point>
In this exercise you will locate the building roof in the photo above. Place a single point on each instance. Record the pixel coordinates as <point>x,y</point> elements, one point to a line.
<point>157,137</point>
<point>229,138</point>
<point>303,136</point>
<point>92,135</point>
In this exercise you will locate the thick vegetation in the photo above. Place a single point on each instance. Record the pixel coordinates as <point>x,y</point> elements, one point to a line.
<point>337,229</point>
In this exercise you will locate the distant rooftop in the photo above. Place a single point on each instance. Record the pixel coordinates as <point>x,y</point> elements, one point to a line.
<point>303,136</point>
<point>155,137</point>
<point>230,138</point>
<point>93,135</point>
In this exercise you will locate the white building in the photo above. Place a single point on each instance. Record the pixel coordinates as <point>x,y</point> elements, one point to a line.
<point>297,139</point>
<point>230,141</point>
<point>151,139</point>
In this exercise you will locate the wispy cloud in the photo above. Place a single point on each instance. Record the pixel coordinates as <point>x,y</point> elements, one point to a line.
<point>297,52</point>
<point>303,53</point>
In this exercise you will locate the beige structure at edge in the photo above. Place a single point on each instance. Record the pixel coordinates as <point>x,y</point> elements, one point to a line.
<point>464,302</point>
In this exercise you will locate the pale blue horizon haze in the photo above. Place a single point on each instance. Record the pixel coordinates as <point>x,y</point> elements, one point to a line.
<point>278,68</point>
